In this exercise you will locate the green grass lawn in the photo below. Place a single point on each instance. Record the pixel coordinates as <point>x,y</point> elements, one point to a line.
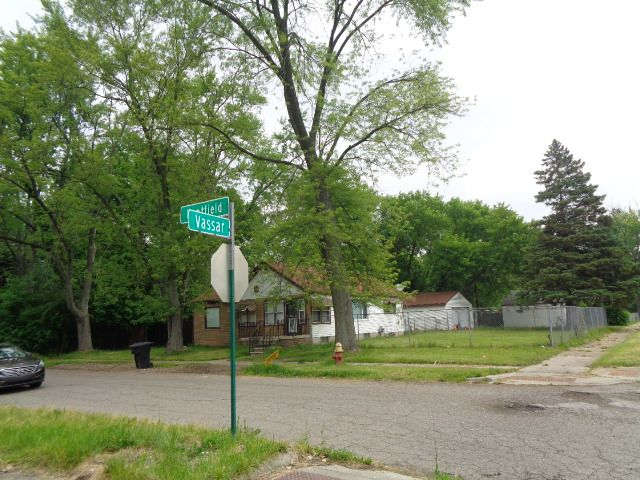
<point>482,346</point>
<point>194,353</point>
<point>370,372</point>
<point>626,354</point>
<point>59,441</point>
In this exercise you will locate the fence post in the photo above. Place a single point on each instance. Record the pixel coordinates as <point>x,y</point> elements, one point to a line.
<point>550,327</point>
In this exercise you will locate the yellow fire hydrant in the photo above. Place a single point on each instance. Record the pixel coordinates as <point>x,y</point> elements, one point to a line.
<point>337,353</point>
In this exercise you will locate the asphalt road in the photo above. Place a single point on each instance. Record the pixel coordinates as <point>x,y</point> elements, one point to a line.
<point>478,431</point>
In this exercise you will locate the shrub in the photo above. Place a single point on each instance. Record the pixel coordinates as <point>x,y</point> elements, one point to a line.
<point>617,316</point>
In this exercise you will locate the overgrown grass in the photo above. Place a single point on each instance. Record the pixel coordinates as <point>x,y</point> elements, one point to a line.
<point>59,441</point>
<point>482,346</point>
<point>626,354</point>
<point>371,372</point>
<point>160,354</point>
<point>336,455</point>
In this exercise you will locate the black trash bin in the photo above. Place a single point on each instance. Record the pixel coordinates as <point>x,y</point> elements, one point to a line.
<point>142,354</point>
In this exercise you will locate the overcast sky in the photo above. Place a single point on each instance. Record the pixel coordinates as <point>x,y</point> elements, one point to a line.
<point>538,70</point>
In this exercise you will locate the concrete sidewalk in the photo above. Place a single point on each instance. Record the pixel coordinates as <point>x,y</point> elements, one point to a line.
<point>338,472</point>
<point>573,367</point>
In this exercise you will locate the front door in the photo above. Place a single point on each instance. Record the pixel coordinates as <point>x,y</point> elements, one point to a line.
<point>292,318</point>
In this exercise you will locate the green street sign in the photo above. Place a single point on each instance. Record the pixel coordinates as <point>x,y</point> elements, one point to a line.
<point>217,206</point>
<point>209,224</point>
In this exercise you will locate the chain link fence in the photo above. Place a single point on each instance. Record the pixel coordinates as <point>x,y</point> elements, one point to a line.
<point>563,323</point>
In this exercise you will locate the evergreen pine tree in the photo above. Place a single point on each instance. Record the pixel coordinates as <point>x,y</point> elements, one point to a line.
<point>576,259</point>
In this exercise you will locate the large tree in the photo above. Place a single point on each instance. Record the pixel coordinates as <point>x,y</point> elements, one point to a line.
<point>626,227</point>
<point>576,259</point>
<point>167,91</point>
<point>455,245</point>
<point>47,127</point>
<point>341,117</point>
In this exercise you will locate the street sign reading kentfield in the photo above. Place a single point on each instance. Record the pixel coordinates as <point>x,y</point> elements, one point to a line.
<point>217,206</point>
<point>209,224</point>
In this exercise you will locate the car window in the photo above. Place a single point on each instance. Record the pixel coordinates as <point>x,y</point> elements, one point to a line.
<point>10,353</point>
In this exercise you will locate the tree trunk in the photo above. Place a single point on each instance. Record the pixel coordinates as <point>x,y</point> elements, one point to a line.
<point>338,279</point>
<point>81,312</point>
<point>175,341</point>
<point>83,327</point>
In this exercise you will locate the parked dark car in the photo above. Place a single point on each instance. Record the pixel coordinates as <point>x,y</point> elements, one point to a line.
<point>19,369</point>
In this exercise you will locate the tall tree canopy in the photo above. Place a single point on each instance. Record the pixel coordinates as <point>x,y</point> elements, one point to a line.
<point>167,91</point>
<point>626,227</point>
<point>340,117</point>
<point>48,124</point>
<point>455,245</point>
<point>576,259</point>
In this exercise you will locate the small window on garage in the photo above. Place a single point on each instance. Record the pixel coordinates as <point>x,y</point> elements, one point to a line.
<point>212,317</point>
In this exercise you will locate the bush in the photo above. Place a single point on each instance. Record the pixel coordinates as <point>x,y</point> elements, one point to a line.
<point>617,316</point>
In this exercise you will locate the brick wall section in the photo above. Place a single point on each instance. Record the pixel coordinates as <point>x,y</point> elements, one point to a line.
<point>219,337</point>
<point>213,337</point>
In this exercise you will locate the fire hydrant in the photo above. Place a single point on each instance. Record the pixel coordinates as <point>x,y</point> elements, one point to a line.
<point>337,353</point>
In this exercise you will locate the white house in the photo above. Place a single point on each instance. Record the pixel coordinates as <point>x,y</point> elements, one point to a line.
<point>438,311</point>
<point>299,295</point>
<point>369,321</point>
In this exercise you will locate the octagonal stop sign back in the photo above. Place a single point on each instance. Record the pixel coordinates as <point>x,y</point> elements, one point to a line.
<point>220,273</point>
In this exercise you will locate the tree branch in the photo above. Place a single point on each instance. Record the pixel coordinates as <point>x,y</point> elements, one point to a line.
<point>247,152</point>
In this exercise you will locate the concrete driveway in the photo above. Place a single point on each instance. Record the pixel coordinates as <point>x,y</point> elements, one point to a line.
<point>477,431</point>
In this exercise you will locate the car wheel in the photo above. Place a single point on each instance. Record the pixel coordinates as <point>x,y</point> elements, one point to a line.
<point>36,385</point>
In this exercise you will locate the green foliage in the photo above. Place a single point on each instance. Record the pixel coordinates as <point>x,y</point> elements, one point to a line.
<point>455,245</point>
<point>617,316</point>
<point>33,314</point>
<point>577,258</point>
<point>295,236</point>
<point>114,114</point>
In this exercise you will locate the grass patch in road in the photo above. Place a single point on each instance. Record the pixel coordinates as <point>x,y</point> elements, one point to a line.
<point>59,441</point>
<point>484,346</point>
<point>339,456</point>
<point>370,372</point>
<point>194,353</point>
<point>625,354</point>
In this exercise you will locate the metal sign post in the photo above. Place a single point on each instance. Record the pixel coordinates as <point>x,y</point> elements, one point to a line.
<point>232,318</point>
<point>208,218</point>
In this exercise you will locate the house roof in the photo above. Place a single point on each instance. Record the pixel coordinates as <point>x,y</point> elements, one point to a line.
<point>307,279</point>
<point>429,299</point>
<point>312,281</point>
<point>212,297</point>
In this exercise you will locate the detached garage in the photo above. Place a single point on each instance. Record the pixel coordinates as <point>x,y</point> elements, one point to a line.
<point>438,311</point>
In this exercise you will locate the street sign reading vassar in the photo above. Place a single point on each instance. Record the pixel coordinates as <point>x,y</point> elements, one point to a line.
<point>217,206</point>
<point>209,224</point>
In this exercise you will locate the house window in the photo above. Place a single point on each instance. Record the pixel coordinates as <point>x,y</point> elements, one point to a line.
<point>273,313</point>
<point>246,317</point>
<point>302,314</point>
<point>212,317</point>
<point>359,310</point>
<point>321,314</point>
<point>389,308</point>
